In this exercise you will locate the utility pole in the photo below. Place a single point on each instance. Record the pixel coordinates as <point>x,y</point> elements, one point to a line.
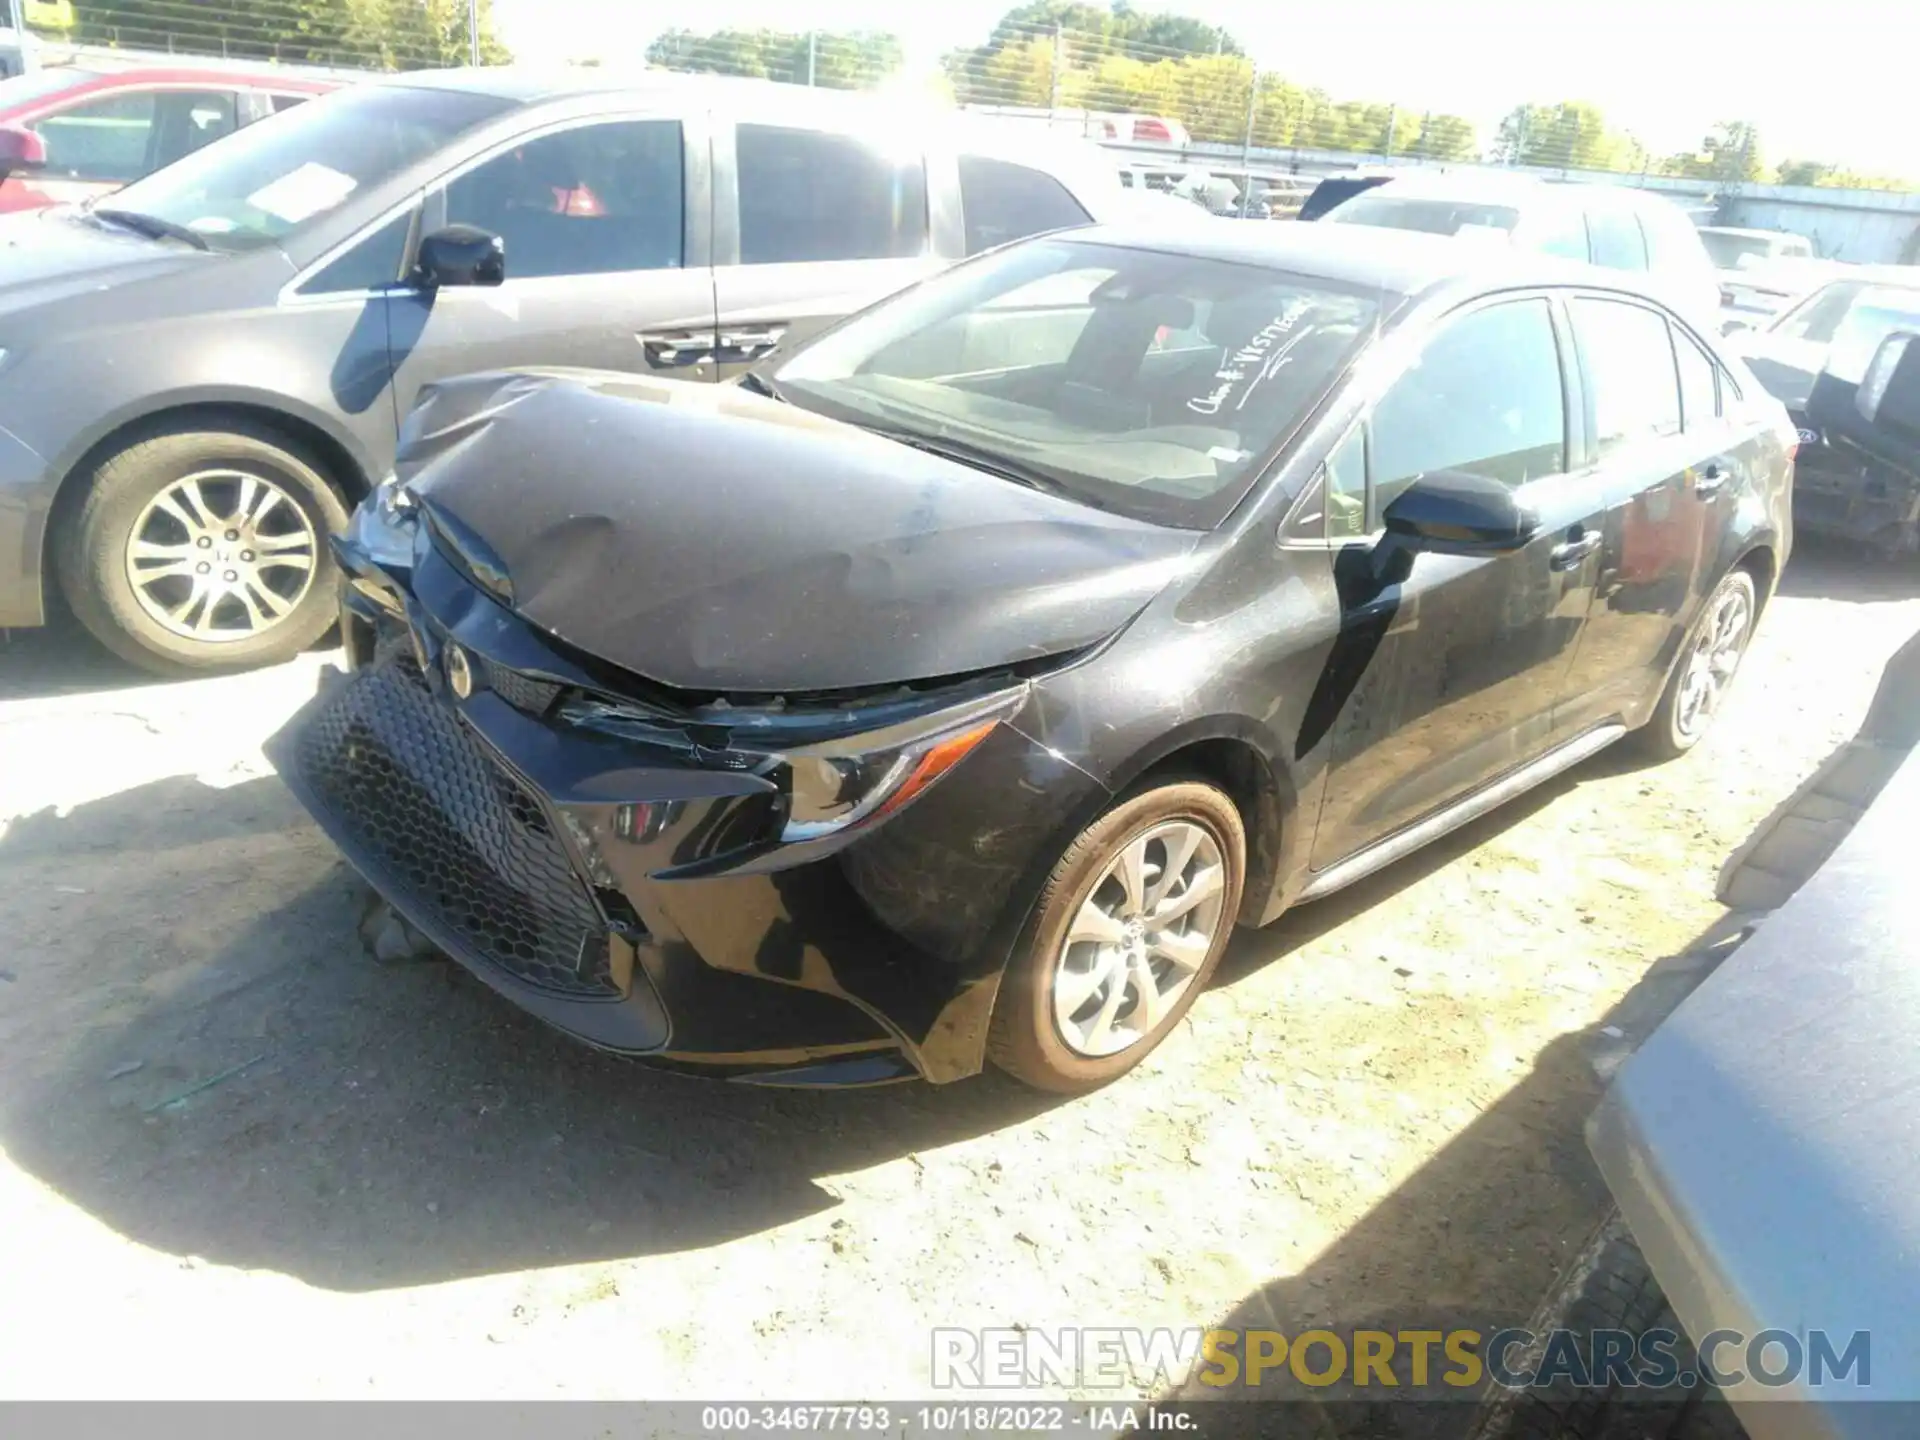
<point>21,37</point>
<point>1393,116</point>
<point>813,53</point>
<point>1246,140</point>
<point>473,32</point>
<point>1059,52</point>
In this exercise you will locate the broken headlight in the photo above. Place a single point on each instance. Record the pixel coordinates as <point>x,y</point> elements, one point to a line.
<point>862,779</point>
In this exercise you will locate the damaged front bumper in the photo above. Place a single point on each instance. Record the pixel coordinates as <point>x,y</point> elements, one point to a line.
<point>642,891</point>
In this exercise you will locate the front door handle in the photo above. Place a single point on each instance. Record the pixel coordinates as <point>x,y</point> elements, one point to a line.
<point>1712,476</point>
<point>751,344</point>
<point>1576,547</point>
<point>673,348</point>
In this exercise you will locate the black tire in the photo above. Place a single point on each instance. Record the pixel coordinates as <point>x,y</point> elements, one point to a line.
<point>1665,736</point>
<point>1616,1292</point>
<point>91,545</point>
<point>1024,1039</point>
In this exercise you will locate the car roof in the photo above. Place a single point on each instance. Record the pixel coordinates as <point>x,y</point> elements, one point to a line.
<point>1746,234</point>
<point>532,85</point>
<point>96,77</point>
<point>1404,262</point>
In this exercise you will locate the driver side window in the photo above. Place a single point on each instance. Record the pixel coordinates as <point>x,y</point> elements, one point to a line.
<point>1483,398</point>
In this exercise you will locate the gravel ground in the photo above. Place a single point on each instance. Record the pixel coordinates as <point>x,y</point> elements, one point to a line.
<point>243,1160</point>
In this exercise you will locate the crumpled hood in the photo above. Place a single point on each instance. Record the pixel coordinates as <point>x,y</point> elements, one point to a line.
<point>711,539</point>
<point>47,255</point>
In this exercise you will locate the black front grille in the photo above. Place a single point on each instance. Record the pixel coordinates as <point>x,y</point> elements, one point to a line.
<point>431,815</point>
<point>522,692</point>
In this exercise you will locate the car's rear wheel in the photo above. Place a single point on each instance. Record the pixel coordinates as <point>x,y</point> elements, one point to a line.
<point>1131,924</point>
<point>1708,663</point>
<point>197,550</point>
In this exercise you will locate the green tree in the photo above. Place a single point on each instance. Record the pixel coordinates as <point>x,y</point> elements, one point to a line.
<point>1730,154</point>
<point>1804,172</point>
<point>1446,137</point>
<point>385,34</point>
<point>837,61</point>
<point>1571,135</point>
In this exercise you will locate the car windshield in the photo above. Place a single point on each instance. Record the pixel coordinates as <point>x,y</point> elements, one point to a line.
<point>262,183</point>
<point>1138,381</point>
<point>1727,251</point>
<point>1433,215</point>
<point>38,84</point>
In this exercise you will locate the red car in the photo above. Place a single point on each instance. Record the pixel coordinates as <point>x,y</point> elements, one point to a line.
<point>70,133</point>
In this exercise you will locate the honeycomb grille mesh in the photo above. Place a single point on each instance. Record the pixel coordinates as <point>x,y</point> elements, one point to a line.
<point>428,813</point>
<point>522,692</point>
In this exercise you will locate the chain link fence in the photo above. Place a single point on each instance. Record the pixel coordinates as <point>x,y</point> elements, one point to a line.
<point>1168,82</point>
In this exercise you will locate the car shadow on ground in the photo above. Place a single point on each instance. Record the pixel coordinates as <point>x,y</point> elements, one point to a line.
<point>1501,1211</point>
<point>211,1065</point>
<point>61,658</point>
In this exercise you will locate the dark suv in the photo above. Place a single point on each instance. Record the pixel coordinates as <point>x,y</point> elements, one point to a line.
<point>204,371</point>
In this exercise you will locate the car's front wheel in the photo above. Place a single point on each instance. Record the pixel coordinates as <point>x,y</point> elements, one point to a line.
<point>1132,922</point>
<point>197,550</point>
<point>1708,662</point>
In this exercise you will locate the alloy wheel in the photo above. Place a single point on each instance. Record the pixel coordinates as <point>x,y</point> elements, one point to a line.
<point>1715,656</point>
<point>221,555</point>
<point>1139,938</point>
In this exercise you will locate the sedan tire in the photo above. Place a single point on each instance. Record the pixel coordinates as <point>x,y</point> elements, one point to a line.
<point>196,551</point>
<point>1131,924</point>
<point>1709,660</point>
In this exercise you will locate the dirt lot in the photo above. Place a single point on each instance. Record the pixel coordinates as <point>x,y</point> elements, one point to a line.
<point>243,1160</point>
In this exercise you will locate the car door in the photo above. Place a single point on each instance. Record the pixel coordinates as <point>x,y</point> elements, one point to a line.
<point>1667,466</point>
<point>1449,677</point>
<point>604,226</point>
<point>810,225</point>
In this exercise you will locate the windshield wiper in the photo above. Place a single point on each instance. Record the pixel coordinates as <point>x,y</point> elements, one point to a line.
<point>962,452</point>
<point>152,226</point>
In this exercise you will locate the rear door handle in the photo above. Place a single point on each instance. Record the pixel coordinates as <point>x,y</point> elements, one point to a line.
<point>667,348</point>
<point>1712,476</point>
<point>751,344</point>
<point>1576,547</point>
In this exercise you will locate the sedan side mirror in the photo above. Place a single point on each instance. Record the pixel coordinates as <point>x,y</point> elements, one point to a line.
<point>461,255</point>
<point>1453,512</point>
<point>20,149</point>
<point>1889,394</point>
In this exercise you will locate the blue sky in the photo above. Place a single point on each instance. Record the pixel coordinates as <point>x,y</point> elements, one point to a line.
<point>1820,82</point>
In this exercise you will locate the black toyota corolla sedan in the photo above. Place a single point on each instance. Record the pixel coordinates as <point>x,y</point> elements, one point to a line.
<point>950,691</point>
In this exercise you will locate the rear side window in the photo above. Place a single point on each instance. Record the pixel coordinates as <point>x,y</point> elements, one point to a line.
<point>287,102</point>
<point>1484,398</point>
<point>1617,240</point>
<point>593,200</point>
<point>809,195</point>
<point>1699,383</point>
<point>1003,201</point>
<point>1626,354</point>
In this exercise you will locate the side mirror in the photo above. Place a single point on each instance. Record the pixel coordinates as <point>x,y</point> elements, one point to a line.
<point>1734,327</point>
<point>1889,394</point>
<point>1452,512</point>
<point>20,149</point>
<point>461,255</point>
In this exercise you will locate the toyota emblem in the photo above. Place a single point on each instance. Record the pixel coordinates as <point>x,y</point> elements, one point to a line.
<point>459,672</point>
